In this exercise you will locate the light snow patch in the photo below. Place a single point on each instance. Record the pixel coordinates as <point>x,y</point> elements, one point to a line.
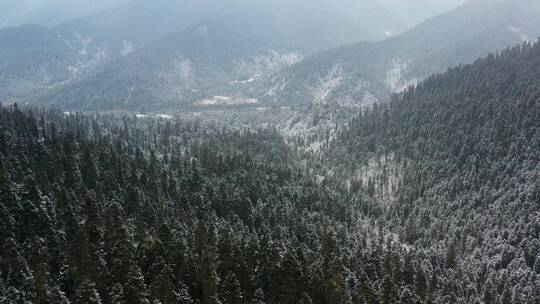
<point>165,116</point>
<point>225,101</point>
<point>249,80</point>
<point>88,54</point>
<point>385,173</point>
<point>369,98</point>
<point>520,33</point>
<point>394,77</point>
<point>315,147</point>
<point>83,42</point>
<point>185,69</point>
<point>127,48</point>
<point>327,85</point>
<point>266,64</point>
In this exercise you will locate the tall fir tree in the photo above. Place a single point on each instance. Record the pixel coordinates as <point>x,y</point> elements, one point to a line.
<point>206,239</point>
<point>232,294</point>
<point>162,287</point>
<point>87,294</point>
<point>135,289</point>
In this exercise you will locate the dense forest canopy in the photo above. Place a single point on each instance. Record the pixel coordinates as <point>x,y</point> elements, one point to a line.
<point>430,196</point>
<point>456,160</point>
<point>123,209</point>
<point>107,209</point>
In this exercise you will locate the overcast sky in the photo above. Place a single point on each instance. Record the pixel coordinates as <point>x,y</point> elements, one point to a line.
<point>415,11</point>
<point>49,12</point>
<point>53,12</point>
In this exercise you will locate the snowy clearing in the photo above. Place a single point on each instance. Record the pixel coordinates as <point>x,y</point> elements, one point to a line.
<point>225,101</point>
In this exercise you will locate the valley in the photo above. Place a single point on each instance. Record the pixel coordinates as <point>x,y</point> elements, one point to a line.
<point>271,152</point>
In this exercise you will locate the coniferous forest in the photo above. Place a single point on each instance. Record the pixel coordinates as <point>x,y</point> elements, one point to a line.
<point>431,198</point>
<point>269,152</point>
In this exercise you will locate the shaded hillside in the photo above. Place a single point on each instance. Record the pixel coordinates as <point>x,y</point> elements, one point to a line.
<point>117,209</point>
<point>77,48</point>
<point>183,68</point>
<point>456,163</point>
<point>35,59</point>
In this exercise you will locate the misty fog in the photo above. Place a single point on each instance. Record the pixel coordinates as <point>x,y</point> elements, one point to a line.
<point>54,12</point>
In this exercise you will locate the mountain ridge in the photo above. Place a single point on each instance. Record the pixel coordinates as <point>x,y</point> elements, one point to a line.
<point>378,69</point>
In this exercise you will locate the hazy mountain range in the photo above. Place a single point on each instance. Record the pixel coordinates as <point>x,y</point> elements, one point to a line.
<point>370,71</point>
<point>49,12</point>
<point>83,46</point>
<point>413,12</point>
<point>242,52</point>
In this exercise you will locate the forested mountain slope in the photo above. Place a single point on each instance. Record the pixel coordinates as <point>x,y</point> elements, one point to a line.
<point>443,207</point>
<point>456,162</point>
<point>36,59</point>
<point>366,72</point>
<point>77,48</point>
<point>109,209</point>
